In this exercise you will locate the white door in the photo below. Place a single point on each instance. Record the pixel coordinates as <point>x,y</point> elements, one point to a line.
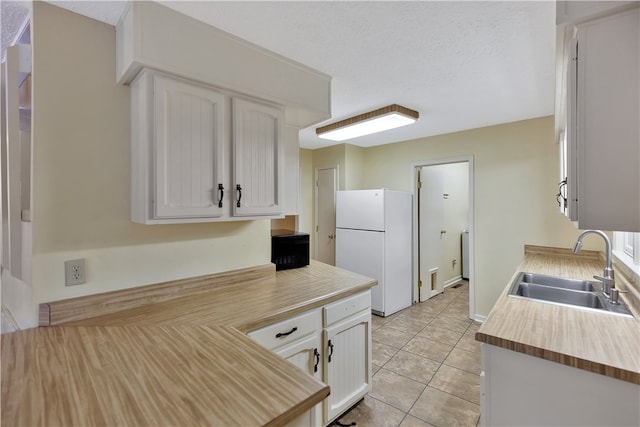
<point>326,215</point>
<point>430,217</point>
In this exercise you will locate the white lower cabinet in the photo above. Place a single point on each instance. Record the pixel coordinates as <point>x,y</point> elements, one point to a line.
<point>297,339</point>
<point>304,420</point>
<point>347,337</point>
<point>521,390</point>
<point>347,370</point>
<point>333,344</point>
<point>305,354</point>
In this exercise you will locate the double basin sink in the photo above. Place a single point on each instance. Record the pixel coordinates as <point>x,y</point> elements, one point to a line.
<point>564,291</point>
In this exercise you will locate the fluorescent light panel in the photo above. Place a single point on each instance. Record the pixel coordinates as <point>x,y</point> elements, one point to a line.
<point>379,120</point>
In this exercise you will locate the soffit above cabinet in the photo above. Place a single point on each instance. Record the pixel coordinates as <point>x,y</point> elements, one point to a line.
<point>572,11</point>
<point>199,52</point>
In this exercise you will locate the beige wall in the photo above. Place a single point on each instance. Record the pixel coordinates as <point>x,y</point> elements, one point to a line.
<point>348,159</point>
<point>81,181</point>
<point>305,219</point>
<point>82,177</point>
<point>354,167</point>
<point>334,156</point>
<point>515,182</point>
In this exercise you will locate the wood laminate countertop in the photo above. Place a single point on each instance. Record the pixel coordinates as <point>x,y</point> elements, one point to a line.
<point>245,306</point>
<point>183,361</point>
<point>597,342</point>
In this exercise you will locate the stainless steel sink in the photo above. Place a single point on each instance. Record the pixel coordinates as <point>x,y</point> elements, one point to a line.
<point>559,295</point>
<point>565,291</point>
<point>557,282</point>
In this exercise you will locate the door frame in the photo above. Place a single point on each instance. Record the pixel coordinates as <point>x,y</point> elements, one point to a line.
<point>414,168</point>
<point>336,176</point>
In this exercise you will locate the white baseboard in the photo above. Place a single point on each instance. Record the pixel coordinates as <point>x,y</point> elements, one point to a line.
<point>452,281</point>
<point>479,318</point>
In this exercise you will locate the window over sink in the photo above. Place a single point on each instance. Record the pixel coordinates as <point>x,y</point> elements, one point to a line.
<point>626,248</point>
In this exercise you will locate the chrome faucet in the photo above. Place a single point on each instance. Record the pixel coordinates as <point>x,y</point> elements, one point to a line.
<point>607,278</point>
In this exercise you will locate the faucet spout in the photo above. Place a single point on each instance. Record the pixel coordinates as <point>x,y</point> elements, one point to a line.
<point>578,246</point>
<point>608,276</point>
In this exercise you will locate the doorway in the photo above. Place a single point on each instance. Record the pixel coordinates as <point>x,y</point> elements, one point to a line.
<point>443,209</point>
<point>325,242</point>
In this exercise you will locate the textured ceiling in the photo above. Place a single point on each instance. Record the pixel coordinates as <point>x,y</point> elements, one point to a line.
<point>13,15</point>
<point>462,65</point>
<point>107,11</point>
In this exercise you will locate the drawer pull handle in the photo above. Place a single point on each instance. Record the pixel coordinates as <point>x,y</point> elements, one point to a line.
<point>284,334</point>
<point>316,355</point>
<point>330,348</point>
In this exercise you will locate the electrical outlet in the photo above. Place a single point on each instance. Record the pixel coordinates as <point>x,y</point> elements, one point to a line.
<point>75,272</point>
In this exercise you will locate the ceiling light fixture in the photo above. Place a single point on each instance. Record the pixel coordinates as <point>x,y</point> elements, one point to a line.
<point>378,120</point>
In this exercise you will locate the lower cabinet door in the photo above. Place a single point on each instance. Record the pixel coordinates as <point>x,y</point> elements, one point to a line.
<point>306,355</point>
<point>551,394</point>
<point>305,420</point>
<point>347,361</point>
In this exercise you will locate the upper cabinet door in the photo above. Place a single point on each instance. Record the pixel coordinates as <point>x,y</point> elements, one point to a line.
<point>189,149</point>
<point>258,159</point>
<point>607,131</point>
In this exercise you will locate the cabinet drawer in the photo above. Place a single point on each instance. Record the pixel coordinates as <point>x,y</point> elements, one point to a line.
<point>346,307</point>
<point>287,331</point>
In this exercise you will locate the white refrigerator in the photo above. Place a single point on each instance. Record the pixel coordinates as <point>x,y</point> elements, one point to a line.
<point>374,238</point>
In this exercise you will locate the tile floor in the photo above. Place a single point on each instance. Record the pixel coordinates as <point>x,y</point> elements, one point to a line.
<point>426,366</point>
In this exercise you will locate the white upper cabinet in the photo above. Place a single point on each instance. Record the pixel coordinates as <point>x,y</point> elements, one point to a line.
<point>602,149</point>
<point>258,159</point>
<point>236,143</point>
<point>189,150</point>
<point>185,165</point>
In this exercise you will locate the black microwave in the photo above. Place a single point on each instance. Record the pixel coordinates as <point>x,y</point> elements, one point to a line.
<point>289,249</point>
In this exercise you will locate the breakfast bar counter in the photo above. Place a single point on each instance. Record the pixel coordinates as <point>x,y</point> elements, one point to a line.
<point>169,354</point>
